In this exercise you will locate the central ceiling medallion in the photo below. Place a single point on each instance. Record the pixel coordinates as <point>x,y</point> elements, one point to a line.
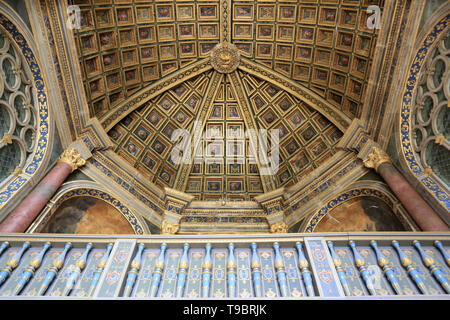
<point>225,57</point>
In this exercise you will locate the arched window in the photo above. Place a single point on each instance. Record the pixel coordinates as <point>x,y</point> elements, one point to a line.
<point>431,112</point>
<point>18,110</point>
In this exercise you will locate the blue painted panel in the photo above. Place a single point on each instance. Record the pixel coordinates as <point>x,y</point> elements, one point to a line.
<point>382,287</point>
<point>322,269</point>
<point>406,284</point>
<point>219,273</point>
<point>169,280</point>
<point>115,271</point>
<point>269,279</point>
<point>81,288</point>
<point>57,286</point>
<point>293,275</point>
<point>431,284</point>
<point>352,274</point>
<point>194,278</point>
<point>9,285</point>
<point>144,280</point>
<point>244,274</point>
<point>35,283</point>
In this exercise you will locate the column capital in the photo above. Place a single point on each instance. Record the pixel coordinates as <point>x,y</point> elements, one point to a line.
<point>73,158</point>
<point>168,227</point>
<point>170,223</point>
<point>375,158</point>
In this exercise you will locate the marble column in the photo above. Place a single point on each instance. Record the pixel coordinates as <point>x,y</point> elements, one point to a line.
<point>425,217</point>
<point>27,211</point>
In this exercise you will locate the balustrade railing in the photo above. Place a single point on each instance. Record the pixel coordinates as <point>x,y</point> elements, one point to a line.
<point>292,266</point>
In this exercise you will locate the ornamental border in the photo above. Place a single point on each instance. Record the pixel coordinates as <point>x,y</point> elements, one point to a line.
<point>42,136</point>
<point>343,197</point>
<point>131,218</point>
<point>405,119</point>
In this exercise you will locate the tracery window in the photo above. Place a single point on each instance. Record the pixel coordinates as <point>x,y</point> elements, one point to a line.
<point>17,109</point>
<point>431,113</point>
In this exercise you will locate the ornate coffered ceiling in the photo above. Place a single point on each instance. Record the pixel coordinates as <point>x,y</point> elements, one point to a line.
<point>125,45</point>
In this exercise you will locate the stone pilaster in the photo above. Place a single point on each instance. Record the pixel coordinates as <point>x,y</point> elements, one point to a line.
<point>175,203</point>
<point>272,202</point>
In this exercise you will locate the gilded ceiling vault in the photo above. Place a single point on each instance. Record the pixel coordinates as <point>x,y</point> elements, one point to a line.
<point>224,116</point>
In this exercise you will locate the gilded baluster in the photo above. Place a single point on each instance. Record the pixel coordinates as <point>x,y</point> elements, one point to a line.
<point>361,264</point>
<point>31,269</point>
<point>12,263</point>
<point>340,271</point>
<point>206,271</point>
<point>182,271</point>
<point>303,265</point>
<point>77,268</point>
<point>410,269</point>
<point>54,269</point>
<point>281,270</point>
<point>387,270</point>
<point>3,247</point>
<point>256,271</point>
<point>231,271</point>
<point>134,271</point>
<point>100,267</point>
<point>157,273</point>
<point>434,269</point>
<point>441,248</point>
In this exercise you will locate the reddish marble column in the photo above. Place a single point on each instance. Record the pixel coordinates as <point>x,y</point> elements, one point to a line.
<point>425,217</point>
<point>420,211</point>
<point>23,216</point>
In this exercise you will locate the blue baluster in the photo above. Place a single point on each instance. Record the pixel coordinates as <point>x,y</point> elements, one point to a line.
<point>441,248</point>
<point>157,273</point>
<point>340,271</point>
<point>256,271</point>
<point>54,269</point>
<point>434,269</point>
<point>31,269</point>
<point>12,263</point>
<point>361,264</point>
<point>100,267</point>
<point>77,268</point>
<point>387,269</point>
<point>134,271</point>
<point>410,269</point>
<point>303,265</point>
<point>206,271</point>
<point>231,271</point>
<point>3,247</point>
<point>182,271</point>
<point>281,270</point>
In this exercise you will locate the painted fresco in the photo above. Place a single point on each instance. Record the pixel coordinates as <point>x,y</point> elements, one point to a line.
<point>87,215</point>
<point>361,214</point>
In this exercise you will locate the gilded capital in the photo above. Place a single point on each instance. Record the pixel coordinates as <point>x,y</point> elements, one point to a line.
<point>73,158</point>
<point>376,158</point>
<point>279,227</point>
<point>168,227</point>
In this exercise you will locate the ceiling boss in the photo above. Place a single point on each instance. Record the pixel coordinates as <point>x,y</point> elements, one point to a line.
<point>225,57</point>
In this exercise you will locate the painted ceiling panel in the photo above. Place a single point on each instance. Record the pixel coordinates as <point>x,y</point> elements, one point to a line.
<point>222,164</point>
<point>125,45</point>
